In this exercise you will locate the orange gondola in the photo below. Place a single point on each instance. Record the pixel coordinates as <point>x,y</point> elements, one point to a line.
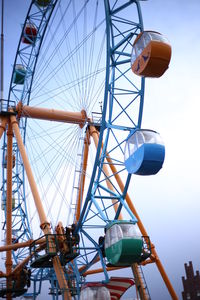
<point>151,54</point>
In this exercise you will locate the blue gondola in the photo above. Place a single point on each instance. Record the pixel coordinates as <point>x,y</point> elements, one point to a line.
<point>144,152</point>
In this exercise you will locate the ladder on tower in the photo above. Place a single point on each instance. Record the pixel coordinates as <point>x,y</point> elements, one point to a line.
<point>96,121</point>
<point>140,282</point>
<point>77,174</point>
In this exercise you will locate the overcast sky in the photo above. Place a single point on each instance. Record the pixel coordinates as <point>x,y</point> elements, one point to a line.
<point>169,203</point>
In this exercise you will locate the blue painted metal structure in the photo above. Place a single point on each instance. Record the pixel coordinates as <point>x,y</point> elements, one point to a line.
<point>122,112</point>
<point>118,64</point>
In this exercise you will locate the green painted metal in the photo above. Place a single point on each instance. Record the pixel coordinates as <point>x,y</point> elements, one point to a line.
<point>125,252</point>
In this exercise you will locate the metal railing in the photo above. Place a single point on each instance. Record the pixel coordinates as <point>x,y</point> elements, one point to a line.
<point>7,105</point>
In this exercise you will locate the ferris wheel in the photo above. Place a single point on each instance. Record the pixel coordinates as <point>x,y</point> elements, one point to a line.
<point>73,139</point>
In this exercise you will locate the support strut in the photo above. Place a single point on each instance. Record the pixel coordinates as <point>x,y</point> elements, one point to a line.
<point>81,184</point>
<point>45,226</point>
<point>8,262</point>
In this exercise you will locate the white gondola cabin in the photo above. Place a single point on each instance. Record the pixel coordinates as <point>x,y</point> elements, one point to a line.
<point>151,54</point>
<point>123,243</point>
<point>144,152</point>
<point>30,34</point>
<point>19,74</point>
<point>94,291</point>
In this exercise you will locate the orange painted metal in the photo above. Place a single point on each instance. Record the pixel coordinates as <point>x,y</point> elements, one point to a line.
<point>143,231</point>
<point>8,262</point>
<point>139,282</point>
<point>21,245</point>
<point>100,270</point>
<point>22,263</point>
<point>45,225</point>
<point>61,238</point>
<point>3,124</point>
<point>61,278</point>
<point>97,259</point>
<point>33,186</point>
<point>153,60</point>
<point>79,118</point>
<point>81,186</point>
<point>20,266</point>
<point>2,274</point>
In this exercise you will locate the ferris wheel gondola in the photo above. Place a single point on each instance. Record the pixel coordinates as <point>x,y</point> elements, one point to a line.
<point>30,34</point>
<point>144,152</point>
<point>124,244</point>
<point>19,74</point>
<point>151,54</point>
<point>94,291</point>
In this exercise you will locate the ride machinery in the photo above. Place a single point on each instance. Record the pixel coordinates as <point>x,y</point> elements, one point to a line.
<point>72,138</point>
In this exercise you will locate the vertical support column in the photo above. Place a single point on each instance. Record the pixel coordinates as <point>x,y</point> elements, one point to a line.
<point>3,124</point>
<point>61,278</point>
<point>139,282</point>
<point>45,226</point>
<point>82,176</point>
<point>8,262</point>
<point>2,49</point>
<point>43,219</point>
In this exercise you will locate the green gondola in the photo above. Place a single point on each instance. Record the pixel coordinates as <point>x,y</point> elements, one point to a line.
<point>19,74</point>
<point>123,243</point>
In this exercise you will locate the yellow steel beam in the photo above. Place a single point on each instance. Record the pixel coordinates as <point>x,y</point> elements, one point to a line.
<point>45,225</point>
<point>21,245</point>
<point>81,185</point>
<point>8,262</point>
<point>52,114</point>
<point>3,124</point>
<point>100,270</point>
